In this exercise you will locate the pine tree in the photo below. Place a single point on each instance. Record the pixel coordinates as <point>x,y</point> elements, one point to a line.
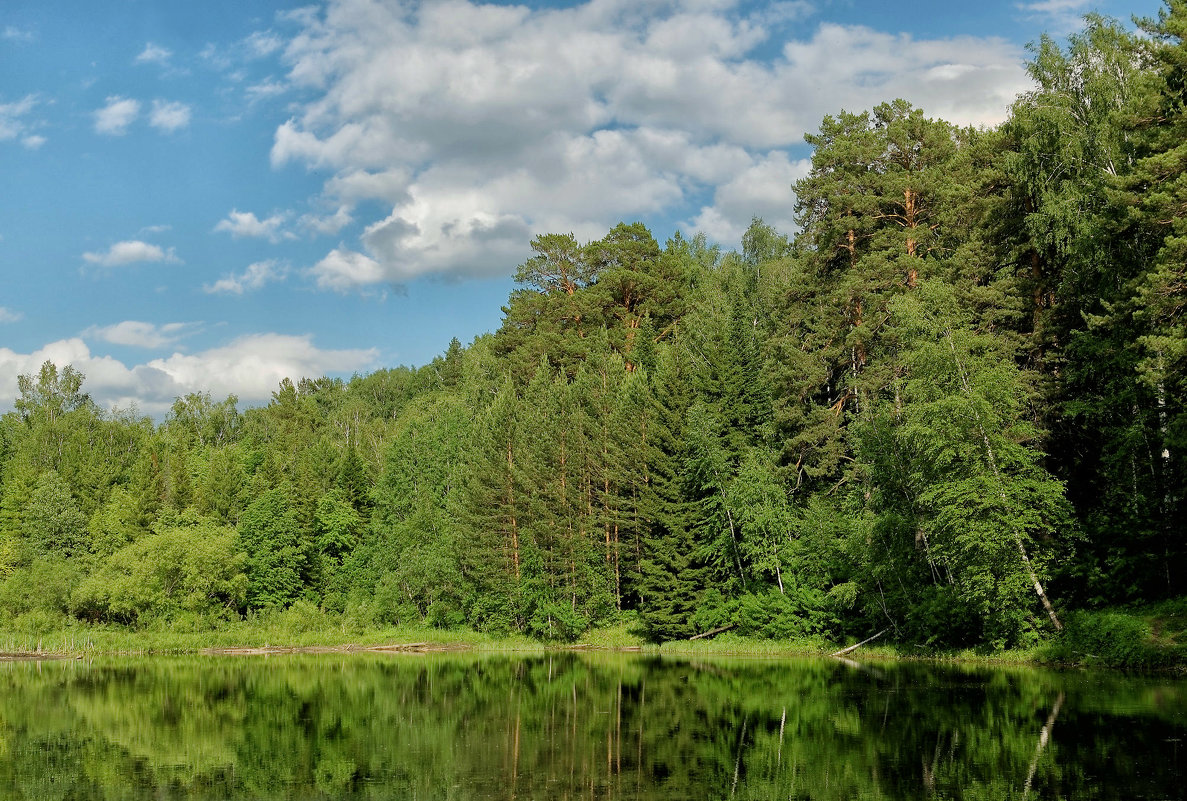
<point>870,210</point>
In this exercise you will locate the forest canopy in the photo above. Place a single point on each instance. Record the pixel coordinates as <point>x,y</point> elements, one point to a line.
<point>951,405</point>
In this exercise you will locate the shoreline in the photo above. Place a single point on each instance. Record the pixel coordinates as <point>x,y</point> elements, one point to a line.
<point>761,650</point>
<point>1145,640</point>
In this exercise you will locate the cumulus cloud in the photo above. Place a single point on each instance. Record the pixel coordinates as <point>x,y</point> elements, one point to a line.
<point>328,224</point>
<point>169,116</point>
<point>245,224</point>
<point>344,269</point>
<point>14,121</point>
<point>390,186</point>
<point>250,367</point>
<point>483,124</point>
<point>254,277</point>
<point>139,334</point>
<point>154,54</point>
<point>130,252</point>
<point>761,189</point>
<point>114,118</point>
<point>7,315</point>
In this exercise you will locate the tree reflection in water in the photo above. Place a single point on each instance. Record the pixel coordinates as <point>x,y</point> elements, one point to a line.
<point>564,726</point>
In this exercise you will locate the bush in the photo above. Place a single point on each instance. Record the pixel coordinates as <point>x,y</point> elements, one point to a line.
<point>300,618</point>
<point>44,586</point>
<point>38,621</point>
<point>556,622</point>
<point>774,615</point>
<point>1116,638</point>
<point>191,569</point>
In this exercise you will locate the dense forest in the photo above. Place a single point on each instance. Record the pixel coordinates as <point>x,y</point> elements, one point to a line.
<point>951,406</point>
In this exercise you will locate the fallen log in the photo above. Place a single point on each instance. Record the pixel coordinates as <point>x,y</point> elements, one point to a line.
<point>844,651</point>
<point>711,632</point>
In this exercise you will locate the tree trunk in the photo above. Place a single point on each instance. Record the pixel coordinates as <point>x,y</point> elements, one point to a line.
<point>844,651</point>
<point>511,508</point>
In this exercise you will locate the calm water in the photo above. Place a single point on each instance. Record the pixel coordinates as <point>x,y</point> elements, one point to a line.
<point>581,726</point>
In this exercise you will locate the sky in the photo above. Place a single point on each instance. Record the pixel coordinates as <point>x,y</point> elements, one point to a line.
<point>209,197</point>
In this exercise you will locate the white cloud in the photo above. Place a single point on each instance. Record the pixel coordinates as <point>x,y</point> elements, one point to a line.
<point>13,117</point>
<point>482,125</point>
<point>250,367</point>
<point>33,141</point>
<point>258,45</point>
<point>762,189</point>
<point>1063,16</point>
<point>263,43</point>
<point>154,54</point>
<point>169,116</point>
<point>15,34</point>
<point>7,315</point>
<point>240,224</point>
<point>105,377</point>
<point>139,334</point>
<point>265,89</point>
<point>129,252</point>
<point>328,224</point>
<point>254,277</point>
<point>114,118</point>
<point>390,186</point>
<point>344,269</point>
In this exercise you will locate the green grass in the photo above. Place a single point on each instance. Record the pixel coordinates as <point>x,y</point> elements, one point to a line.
<point>733,644</point>
<point>1151,637</point>
<point>292,628</point>
<point>1142,637</point>
<point>101,640</point>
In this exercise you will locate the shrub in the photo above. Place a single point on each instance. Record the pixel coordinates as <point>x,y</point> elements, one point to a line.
<point>1112,637</point>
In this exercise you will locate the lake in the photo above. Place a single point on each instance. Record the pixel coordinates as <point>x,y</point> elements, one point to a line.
<point>569,726</point>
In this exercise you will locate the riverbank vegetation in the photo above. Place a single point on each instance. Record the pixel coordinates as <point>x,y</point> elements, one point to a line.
<point>950,407</point>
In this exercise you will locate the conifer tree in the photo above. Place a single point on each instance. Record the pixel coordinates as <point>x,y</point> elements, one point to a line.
<point>672,573</point>
<point>491,511</point>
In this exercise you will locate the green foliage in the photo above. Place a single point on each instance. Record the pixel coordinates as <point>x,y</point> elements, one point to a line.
<point>193,568</point>
<point>278,556</point>
<point>774,615</point>
<point>52,521</point>
<point>957,474</point>
<point>41,588</point>
<point>115,524</point>
<point>1118,638</point>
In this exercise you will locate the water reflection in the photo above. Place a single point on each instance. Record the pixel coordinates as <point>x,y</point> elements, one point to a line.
<point>567,726</point>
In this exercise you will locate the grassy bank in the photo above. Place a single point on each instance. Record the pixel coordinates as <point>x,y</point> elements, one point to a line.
<point>1152,637</point>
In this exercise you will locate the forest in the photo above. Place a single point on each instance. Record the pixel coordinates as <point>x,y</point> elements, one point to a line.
<point>950,406</point>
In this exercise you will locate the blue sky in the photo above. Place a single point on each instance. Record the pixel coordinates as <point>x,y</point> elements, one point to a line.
<point>211,196</point>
